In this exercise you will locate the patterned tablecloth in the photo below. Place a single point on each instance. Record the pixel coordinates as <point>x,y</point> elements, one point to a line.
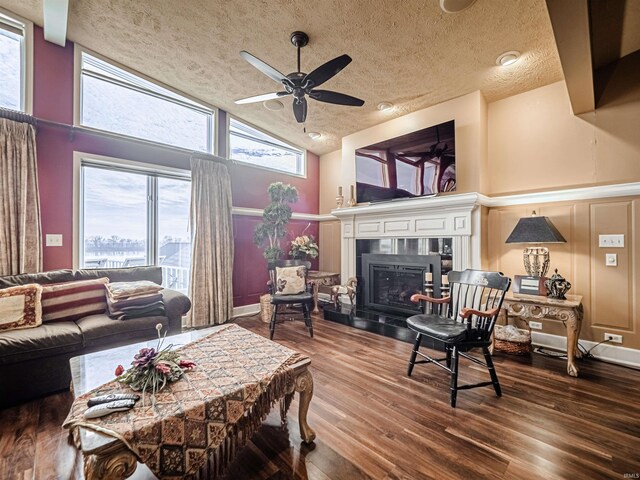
<point>209,413</point>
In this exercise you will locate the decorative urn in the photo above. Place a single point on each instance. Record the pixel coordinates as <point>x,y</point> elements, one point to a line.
<point>557,286</point>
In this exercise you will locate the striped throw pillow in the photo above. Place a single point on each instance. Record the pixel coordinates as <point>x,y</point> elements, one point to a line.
<point>73,300</point>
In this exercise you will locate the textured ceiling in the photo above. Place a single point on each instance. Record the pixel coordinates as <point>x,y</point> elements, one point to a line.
<point>406,52</point>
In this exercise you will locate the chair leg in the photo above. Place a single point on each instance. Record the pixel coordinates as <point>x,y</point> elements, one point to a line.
<point>454,375</point>
<point>414,353</point>
<point>492,371</point>
<point>448,352</point>
<point>272,325</point>
<point>308,321</point>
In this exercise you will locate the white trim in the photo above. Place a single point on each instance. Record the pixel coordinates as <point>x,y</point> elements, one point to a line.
<point>609,353</point>
<point>246,310</point>
<point>572,194</point>
<point>26,75</point>
<point>78,50</point>
<point>143,167</point>
<point>257,212</point>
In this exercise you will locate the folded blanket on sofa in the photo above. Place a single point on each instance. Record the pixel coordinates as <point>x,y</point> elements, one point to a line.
<point>150,310</point>
<point>124,290</point>
<point>133,301</point>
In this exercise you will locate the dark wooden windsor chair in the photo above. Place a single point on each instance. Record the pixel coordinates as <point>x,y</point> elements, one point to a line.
<point>305,298</point>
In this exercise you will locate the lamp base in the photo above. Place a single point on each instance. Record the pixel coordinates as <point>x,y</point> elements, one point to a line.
<point>536,261</point>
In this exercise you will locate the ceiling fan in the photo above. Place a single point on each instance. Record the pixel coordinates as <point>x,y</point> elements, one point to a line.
<point>300,84</point>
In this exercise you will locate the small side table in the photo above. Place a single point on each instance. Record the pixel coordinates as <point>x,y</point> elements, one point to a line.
<point>317,278</point>
<point>570,311</point>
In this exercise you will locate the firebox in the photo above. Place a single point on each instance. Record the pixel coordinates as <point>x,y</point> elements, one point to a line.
<point>390,280</point>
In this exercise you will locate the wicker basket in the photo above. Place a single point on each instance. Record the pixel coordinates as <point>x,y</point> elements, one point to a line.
<point>265,308</point>
<point>516,345</point>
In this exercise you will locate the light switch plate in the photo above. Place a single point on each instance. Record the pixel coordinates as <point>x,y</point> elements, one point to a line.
<point>611,241</point>
<point>611,259</point>
<point>53,240</point>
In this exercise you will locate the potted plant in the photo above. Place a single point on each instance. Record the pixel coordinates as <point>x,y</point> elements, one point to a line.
<point>275,217</point>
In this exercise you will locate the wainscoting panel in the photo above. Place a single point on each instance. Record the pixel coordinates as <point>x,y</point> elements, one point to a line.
<point>329,243</point>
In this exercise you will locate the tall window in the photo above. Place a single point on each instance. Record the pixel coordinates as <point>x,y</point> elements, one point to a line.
<point>117,101</point>
<point>13,63</point>
<point>249,145</point>
<point>131,217</point>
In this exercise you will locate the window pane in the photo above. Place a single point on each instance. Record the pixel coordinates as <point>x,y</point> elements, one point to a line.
<point>407,176</point>
<point>174,238</point>
<point>10,70</point>
<point>246,144</point>
<point>114,218</point>
<point>117,109</point>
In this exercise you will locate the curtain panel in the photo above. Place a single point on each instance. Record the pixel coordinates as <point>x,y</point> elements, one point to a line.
<point>20,231</point>
<point>211,287</point>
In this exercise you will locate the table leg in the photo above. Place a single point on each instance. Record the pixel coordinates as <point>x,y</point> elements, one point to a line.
<point>116,462</point>
<point>573,330</point>
<point>315,288</point>
<point>304,385</point>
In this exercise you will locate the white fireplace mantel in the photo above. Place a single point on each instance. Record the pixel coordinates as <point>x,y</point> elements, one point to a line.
<point>457,216</point>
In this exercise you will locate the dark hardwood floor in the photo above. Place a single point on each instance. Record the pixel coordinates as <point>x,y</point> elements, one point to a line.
<point>372,421</point>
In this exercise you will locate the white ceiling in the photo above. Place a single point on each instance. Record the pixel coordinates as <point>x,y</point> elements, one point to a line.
<point>406,52</point>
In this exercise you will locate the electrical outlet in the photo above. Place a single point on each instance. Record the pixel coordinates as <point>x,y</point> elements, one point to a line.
<point>53,240</point>
<point>613,338</point>
<point>611,241</point>
<point>611,259</point>
<point>535,325</point>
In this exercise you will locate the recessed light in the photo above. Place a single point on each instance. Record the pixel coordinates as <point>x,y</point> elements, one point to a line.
<point>273,105</point>
<point>508,58</point>
<point>455,6</point>
<point>385,106</point>
<point>314,135</point>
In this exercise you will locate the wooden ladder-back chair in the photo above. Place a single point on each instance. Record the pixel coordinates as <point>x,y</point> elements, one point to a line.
<point>462,321</point>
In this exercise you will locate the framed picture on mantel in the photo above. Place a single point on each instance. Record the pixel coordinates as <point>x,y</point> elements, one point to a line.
<point>525,285</point>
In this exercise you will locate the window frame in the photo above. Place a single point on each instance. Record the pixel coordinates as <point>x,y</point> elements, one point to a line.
<point>26,60</point>
<point>289,145</point>
<point>200,106</point>
<point>152,171</point>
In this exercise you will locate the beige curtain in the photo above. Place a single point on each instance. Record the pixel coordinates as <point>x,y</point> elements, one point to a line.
<point>20,233</point>
<point>212,253</point>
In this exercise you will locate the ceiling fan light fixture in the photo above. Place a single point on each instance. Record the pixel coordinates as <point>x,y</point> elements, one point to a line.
<point>385,106</point>
<point>273,105</point>
<point>508,58</point>
<point>455,6</point>
<point>314,135</point>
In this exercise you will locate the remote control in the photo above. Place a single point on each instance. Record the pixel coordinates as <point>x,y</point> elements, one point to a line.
<point>107,408</point>
<point>112,398</point>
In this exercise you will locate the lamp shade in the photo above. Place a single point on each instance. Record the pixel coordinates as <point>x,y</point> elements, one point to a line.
<point>535,230</point>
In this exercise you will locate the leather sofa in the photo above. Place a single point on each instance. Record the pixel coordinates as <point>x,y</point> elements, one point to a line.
<point>35,361</point>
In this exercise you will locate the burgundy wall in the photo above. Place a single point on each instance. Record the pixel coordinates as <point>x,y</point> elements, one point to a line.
<point>53,100</point>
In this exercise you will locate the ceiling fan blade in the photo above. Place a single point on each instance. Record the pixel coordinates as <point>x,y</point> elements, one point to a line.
<point>328,96</point>
<point>265,68</point>
<point>300,109</point>
<point>326,71</point>
<point>261,98</point>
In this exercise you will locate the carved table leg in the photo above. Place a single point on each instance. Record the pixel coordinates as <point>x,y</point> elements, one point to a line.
<point>114,463</point>
<point>573,330</point>
<point>315,287</point>
<point>304,385</point>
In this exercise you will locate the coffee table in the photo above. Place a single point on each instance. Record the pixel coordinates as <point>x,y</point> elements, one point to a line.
<point>108,458</point>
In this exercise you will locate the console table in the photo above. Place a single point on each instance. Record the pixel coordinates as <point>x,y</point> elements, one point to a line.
<point>317,278</point>
<point>530,307</point>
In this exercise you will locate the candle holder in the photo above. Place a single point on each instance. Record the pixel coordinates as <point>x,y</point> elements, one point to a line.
<point>339,201</point>
<point>352,201</point>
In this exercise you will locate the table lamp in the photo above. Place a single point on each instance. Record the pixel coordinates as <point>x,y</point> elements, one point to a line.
<point>535,230</point>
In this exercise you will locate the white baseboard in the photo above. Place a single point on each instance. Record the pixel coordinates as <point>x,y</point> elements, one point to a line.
<point>628,357</point>
<point>246,310</point>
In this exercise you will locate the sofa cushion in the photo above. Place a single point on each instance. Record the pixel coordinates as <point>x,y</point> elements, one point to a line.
<point>43,341</point>
<point>20,307</point>
<point>54,276</point>
<point>71,301</point>
<point>101,330</point>
<point>128,274</point>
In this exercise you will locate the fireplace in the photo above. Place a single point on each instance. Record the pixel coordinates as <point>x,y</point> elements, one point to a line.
<point>388,281</point>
